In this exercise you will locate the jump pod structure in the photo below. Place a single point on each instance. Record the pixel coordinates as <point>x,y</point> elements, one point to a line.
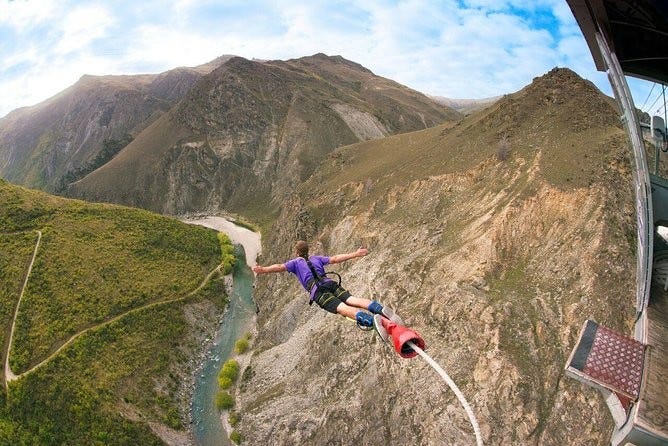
<point>401,337</point>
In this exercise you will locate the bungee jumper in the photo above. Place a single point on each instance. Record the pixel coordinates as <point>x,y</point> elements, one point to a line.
<point>328,293</point>
<point>332,297</point>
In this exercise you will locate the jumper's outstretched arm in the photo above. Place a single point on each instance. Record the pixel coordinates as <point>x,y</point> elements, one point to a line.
<point>275,268</point>
<point>361,252</point>
<point>338,258</point>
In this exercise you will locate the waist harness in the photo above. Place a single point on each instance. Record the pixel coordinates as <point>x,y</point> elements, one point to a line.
<point>320,282</point>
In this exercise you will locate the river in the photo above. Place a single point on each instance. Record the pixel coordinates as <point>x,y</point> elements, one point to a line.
<point>239,319</point>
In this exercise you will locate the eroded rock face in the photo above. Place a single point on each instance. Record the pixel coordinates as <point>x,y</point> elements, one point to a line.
<point>499,304</point>
<point>496,262</point>
<point>58,141</point>
<point>364,125</point>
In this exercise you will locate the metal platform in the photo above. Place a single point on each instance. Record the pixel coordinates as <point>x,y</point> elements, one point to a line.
<point>630,37</point>
<point>606,359</point>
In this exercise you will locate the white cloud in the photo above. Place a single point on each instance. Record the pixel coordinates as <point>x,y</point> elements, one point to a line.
<point>28,55</point>
<point>474,54</point>
<point>438,47</point>
<point>567,24</point>
<point>159,47</point>
<point>81,27</point>
<point>22,14</point>
<point>502,5</point>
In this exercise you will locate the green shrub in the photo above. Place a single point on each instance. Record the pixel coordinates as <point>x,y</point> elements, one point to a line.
<point>224,382</point>
<point>230,369</point>
<point>172,418</point>
<point>233,418</point>
<point>236,437</point>
<point>241,346</point>
<point>224,400</point>
<point>227,259</point>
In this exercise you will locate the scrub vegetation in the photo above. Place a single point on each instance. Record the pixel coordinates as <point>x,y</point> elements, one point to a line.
<point>242,344</point>
<point>227,253</point>
<point>226,378</point>
<point>110,284</point>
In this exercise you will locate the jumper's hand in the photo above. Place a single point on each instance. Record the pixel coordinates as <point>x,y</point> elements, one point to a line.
<point>361,252</point>
<point>257,269</point>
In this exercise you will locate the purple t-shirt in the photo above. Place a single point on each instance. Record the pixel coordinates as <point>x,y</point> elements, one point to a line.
<point>299,268</point>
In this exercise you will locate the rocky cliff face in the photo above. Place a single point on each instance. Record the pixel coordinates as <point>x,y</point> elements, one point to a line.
<point>57,141</point>
<point>246,135</point>
<point>495,239</point>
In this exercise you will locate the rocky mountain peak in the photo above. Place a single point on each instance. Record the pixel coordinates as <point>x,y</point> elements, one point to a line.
<point>67,135</point>
<point>321,58</point>
<point>562,86</point>
<point>253,130</point>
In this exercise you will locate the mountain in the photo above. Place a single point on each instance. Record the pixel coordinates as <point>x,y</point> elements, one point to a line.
<point>248,133</point>
<point>113,306</point>
<point>495,238</point>
<point>494,235</point>
<point>466,106</point>
<point>69,135</point>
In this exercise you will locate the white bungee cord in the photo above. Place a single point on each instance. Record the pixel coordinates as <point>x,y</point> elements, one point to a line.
<point>455,389</point>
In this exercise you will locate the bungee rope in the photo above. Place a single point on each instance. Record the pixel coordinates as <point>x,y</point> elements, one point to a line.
<point>407,354</point>
<point>453,386</point>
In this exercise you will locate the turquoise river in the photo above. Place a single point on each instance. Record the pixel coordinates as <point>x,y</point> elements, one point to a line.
<point>239,318</point>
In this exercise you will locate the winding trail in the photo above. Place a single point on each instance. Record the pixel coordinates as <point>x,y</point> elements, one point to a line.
<point>10,376</point>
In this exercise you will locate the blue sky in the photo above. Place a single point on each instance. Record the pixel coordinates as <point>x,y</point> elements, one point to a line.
<point>451,48</point>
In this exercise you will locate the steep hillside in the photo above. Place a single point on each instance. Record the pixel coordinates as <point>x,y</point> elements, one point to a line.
<point>60,140</point>
<point>250,132</point>
<point>110,325</point>
<point>495,239</point>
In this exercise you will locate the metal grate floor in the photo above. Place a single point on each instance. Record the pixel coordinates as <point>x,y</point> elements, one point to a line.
<point>610,359</point>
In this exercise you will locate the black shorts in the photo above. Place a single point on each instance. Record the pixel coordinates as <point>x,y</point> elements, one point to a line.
<point>328,298</point>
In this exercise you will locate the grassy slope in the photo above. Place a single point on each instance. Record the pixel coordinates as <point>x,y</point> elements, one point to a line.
<point>575,152</point>
<point>16,250</point>
<point>96,262</point>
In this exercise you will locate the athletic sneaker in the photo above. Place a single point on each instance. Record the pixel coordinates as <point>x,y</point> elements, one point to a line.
<point>391,315</point>
<point>378,326</point>
<point>364,320</point>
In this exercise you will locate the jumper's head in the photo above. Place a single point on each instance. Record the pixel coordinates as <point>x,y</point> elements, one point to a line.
<point>301,249</point>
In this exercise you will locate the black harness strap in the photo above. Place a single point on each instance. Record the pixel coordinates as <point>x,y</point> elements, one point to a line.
<point>314,282</point>
<point>316,276</point>
<point>318,281</point>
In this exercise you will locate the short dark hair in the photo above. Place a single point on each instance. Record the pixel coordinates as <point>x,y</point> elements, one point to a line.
<point>301,248</point>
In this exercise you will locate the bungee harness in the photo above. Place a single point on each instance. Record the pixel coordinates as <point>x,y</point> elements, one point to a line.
<point>319,281</point>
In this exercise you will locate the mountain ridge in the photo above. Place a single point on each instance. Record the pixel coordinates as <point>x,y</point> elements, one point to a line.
<point>494,256</point>
<point>41,144</point>
<point>273,119</point>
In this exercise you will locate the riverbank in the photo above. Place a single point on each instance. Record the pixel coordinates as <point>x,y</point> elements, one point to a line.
<point>209,426</point>
<point>251,241</point>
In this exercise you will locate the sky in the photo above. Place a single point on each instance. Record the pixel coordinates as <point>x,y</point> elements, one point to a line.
<point>453,48</point>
